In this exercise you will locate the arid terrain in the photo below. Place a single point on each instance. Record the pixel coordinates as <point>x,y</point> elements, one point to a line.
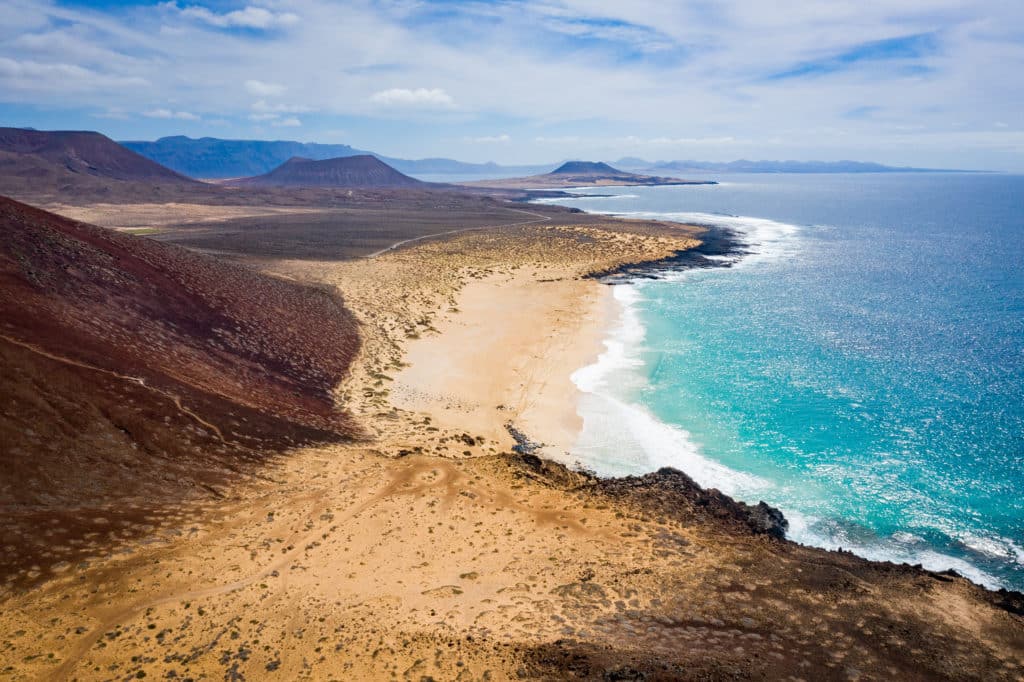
<point>428,549</point>
<point>137,373</point>
<point>321,434</point>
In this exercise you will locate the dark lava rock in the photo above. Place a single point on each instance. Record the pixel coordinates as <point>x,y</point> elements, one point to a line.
<point>768,520</point>
<point>673,493</point>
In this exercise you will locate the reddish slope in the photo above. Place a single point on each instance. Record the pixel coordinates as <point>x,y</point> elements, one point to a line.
<point>135,369</point>
<point>362,171</point>
<point>70,165</point>
<point>87,153</point>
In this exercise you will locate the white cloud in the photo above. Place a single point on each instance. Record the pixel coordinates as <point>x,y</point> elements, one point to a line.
<point>113,114</point>
<point>561,78</point>
<point>44,77</point>
<point>420,97</point>
<point>290,122</point>
<point>72,47</point>
<point>263,117</point>
<point>167,113</point>
<point>247,17</point>
<point>279,108</point>
<point>261,89</point>
<point>485,139</point>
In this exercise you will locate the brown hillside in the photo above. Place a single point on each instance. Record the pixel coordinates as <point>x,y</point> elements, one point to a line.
<point>86,153</point>
<point>351,171</point>
<point>138,370</point>
<point>82,166</point>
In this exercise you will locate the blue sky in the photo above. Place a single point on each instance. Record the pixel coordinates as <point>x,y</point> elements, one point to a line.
<point>909,82</point>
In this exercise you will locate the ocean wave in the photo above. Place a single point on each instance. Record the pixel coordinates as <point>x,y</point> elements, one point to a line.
<point>621,344</point>
<point>767,240</point>
<point>996,547</point>
<point>613,425</point>
<point>900,547</point>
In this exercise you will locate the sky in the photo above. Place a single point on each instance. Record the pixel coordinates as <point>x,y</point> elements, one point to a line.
<point>935,83</point>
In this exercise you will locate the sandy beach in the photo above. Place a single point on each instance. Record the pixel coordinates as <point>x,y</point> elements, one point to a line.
<point>506,358</point>
<point>427,551</point>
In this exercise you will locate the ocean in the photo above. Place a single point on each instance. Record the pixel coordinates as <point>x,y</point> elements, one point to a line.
<point>861,367</point>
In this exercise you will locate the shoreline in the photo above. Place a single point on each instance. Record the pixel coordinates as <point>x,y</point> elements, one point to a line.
<point>506,352</point>
<point>720,247</point>
<point>726,246</point>
<point>506,359</point>
<point>507,356</point>
<point>499,366</point>
<point>430,551</point>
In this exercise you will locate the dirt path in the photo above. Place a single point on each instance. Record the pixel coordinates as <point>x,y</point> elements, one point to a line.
<point>124,377</point>
<point>541,219</point>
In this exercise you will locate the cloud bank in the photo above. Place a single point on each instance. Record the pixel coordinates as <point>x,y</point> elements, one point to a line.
<point>916,82</point>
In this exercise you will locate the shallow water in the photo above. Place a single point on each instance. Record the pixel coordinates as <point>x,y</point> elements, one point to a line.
<point>862,368</point>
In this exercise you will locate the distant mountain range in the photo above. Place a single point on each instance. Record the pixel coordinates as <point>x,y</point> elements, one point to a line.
<point>210,157</point>
<point>45,166</point>
<point>744,166</point>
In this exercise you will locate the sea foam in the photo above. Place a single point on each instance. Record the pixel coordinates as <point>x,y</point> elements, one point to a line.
<point>900,547</point>
<point>765,240</point>
<point>620,436</point>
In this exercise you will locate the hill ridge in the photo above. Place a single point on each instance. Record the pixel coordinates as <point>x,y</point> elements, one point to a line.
<point>87,152</point>
<point>586,168</point>
<point>149,372</point>
<point>358,171</point>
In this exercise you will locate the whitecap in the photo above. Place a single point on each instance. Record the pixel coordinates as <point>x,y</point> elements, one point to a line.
<point>767,240</point>
<point>901,548</point>
<point>997,547</point>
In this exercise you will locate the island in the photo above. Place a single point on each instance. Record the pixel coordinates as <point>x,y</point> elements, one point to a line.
<point>584,174</point>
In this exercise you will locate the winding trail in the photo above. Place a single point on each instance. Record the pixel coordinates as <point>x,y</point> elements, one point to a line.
<point>399,244</point>
<point>124,377</point>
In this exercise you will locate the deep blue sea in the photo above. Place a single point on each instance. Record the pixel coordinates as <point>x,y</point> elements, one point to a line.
<point>862,368</point>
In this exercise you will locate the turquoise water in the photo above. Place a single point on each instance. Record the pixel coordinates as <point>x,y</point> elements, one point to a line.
<point>862,368</point>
